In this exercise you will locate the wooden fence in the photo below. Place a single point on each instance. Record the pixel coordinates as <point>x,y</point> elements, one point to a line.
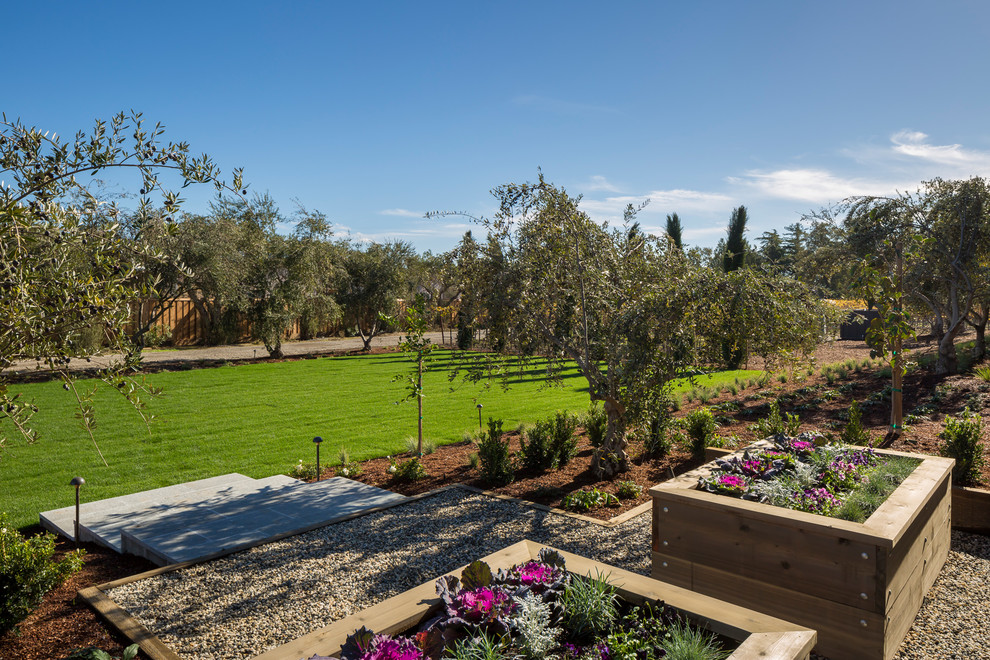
<point>188,328</point>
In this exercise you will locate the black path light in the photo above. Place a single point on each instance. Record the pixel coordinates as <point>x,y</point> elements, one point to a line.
<point>317,440</point>
<point>480,430</point>
<point>77,482</point>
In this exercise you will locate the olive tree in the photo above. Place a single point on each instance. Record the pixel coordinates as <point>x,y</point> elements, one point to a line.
<point>61,274</point>
<point>373,279</point>
<point>948,220</point>
<point>557,285</point>
<point>627,308</point>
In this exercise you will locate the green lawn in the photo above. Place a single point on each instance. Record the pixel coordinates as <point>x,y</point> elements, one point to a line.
<point>256,419</point>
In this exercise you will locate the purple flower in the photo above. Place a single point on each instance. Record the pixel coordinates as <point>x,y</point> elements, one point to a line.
<point>482,603</point>
<point>731,482</point>
<point>384,647</point>
<point>803,445</point>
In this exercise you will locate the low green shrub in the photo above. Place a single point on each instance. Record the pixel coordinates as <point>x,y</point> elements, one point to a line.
<point>304,471</point>
<point>776,424</point>
<point>962,439</point>
<point>583,500</point>
<point>701,428</point>
<point>408,470</point>
<point>551,443</point>
<point>493,453</point>
<point>628,490</point>
<point>854,433</point>
<point>595,423</point>
<point>28,572</point>
<point>656,436</point>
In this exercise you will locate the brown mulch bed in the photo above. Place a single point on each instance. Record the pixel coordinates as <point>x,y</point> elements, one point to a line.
<point>63,623</point>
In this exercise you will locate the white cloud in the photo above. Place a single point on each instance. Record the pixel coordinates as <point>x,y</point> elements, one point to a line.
<point>817,186</point>
<point>966,162</point>
<point>404,213</point>
<point>599,182</point>
<point>660,201</point>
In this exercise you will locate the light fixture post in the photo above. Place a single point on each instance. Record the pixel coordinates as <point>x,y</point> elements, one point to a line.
<point>480,429</point>
<point>317,440</point>
<point>77,482</point>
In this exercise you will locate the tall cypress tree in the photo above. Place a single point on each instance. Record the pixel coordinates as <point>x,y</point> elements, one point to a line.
<point>733,259</point>
<point>674,230</point>
<point>735,243</point>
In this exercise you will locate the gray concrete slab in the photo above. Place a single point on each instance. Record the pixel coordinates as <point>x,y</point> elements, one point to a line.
<point>224,523</point>
<point>121,509</point>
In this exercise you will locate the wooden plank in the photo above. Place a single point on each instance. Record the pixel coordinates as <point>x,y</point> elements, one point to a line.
<point>153,647</point>
<point>893,518</point>
<point>841,630</point>
<point>760,646</point>
<point>768,513</point>
<point>783,552</point>
<point>672,570</point>
<point>907,556</point>
<point>908,601</point>
<point>401,612</point>
<point>971,509</point>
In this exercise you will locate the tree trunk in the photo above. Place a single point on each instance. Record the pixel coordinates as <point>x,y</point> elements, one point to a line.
<point>947,362</point>
<point>275,349</point>
<point>611,458</point>
<point>980,348</point>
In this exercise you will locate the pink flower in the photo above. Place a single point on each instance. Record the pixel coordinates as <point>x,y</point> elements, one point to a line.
<point>732,481</point>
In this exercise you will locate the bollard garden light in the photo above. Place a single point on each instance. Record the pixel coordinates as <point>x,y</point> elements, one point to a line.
<point>77,482</point>
<point>317,440</point>
<point>480,430</point>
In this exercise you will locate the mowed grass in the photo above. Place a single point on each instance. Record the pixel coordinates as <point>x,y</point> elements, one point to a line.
<point>255,419</point>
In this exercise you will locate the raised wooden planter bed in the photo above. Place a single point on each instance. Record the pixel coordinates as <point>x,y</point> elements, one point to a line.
<point>760,637</point>
<point>859,585</point>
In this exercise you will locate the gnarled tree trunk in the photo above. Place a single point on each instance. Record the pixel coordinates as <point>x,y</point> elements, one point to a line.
<point>611,458</point>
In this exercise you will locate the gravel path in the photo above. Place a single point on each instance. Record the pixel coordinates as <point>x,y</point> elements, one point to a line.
<point>247,603</point>
<point>244,604</point>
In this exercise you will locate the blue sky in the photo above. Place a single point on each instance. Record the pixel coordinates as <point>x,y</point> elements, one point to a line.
<point>375,113</point>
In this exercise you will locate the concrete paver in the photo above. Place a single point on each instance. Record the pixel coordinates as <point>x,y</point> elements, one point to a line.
<point>189,521</point>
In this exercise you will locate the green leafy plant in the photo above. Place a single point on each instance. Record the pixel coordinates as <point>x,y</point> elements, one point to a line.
<point>493,452</point>
<point>962,439</point>
<point>473,460</point>
<point>656,436</point>
<point>304,471</point>
<point>701,428</point>
<point>583,500</point>
<point>28,572</point>
<point>854,433</point>
<point>590,605</point>
<point>628,490</point>
<point>685,642</point>
<point>595,423</point>
<point>480,647</point>
<point>983,373</point>
<point>94,653</point>
<point>409,470</point>
<point>776,424</point>
<point>551,443</point>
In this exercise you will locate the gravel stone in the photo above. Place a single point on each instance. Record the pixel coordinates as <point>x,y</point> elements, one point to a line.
<point>244,604</point>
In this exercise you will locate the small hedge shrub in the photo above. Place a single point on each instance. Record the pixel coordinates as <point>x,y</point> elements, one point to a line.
<point>28,572</point>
